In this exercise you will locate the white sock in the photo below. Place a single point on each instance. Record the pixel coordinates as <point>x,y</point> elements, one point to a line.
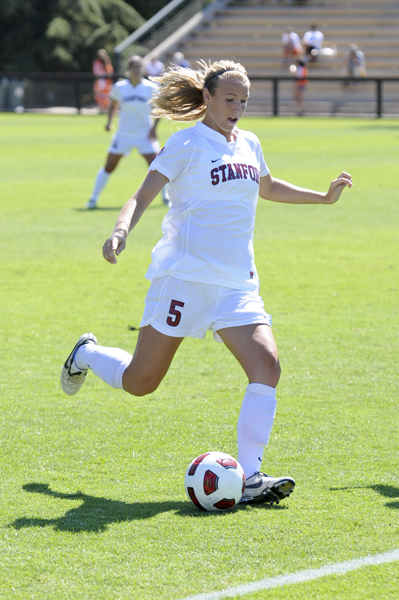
<point>254,425</point>
<point>107,363</point>
<point>100,183</point>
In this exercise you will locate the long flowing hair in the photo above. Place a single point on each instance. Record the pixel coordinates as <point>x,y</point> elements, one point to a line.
<point>179,95</point>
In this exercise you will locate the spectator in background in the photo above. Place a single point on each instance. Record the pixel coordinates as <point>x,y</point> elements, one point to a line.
<point>292,48</point>
<point>102,66</point>
<point>301,72</point>
<point>313,42</point>
<point>355,62</point>
<point>179,60</point>
<point>153,67</point>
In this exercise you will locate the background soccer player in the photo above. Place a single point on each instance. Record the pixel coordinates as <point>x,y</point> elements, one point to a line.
<point>136,127</point>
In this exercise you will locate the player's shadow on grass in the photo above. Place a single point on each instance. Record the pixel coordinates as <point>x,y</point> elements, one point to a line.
<point>95,514</point>
<point>388,491</point>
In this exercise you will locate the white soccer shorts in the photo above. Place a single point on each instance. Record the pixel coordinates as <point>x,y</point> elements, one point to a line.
<point>180,308</point>
<point>123,144</point>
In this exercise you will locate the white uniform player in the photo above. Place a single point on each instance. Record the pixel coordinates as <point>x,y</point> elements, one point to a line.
<point>135,121</point>
<point>136,127</point>
<point>203,271</point>
<point>208,232</point>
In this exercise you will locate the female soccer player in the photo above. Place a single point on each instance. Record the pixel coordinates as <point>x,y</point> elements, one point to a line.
<point>202,273</point>
<point>135,130</point>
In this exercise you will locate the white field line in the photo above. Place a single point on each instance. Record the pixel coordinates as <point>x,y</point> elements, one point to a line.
<point>301,576</point>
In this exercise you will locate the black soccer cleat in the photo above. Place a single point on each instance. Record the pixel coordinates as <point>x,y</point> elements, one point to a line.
<point>73,378</point>
<point>262,488</point>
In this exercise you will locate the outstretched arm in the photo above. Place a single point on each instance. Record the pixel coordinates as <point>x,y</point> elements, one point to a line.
<point>111,111</point>
<point>131,213</point>
<point>277,190</point>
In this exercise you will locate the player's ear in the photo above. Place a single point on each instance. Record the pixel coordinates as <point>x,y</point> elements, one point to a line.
<point>206,95</point>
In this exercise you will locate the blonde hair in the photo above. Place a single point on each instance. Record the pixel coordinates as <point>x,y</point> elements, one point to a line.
<point>179,95</point>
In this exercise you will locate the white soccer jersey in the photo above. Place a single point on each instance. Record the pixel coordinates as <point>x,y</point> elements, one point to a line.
<point>313,38</point>
<point>291,37</point>
<point>214,188</point>
<point>135,110</point>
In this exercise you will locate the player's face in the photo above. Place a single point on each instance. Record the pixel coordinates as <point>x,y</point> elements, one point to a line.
<point>226,107</point>
<point>135,69</point>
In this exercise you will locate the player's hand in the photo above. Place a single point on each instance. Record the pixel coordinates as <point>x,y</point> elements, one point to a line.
<point>109,127</point>
<point>113,246</point>
<point>337,186</point>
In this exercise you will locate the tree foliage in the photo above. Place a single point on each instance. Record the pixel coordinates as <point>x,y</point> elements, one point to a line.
<point>61,35</point>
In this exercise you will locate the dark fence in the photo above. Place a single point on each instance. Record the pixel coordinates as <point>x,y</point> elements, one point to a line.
<point>337,94</point>
<point>371,96</point>
<point>31,91</point>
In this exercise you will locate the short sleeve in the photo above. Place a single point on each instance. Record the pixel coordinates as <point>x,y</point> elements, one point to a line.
<point>256,148</point>
<point>174,157</point>
<point>115,94</point>
<point>264,169</point>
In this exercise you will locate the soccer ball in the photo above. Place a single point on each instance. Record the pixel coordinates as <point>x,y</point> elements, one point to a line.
<point>215,481</point>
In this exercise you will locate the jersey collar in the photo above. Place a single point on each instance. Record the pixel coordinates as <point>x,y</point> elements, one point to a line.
<point>214,135</point>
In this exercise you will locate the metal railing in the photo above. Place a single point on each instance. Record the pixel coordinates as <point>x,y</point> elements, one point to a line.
<point>377,80</point>
<point>45,90</point>
<point>157,29</point>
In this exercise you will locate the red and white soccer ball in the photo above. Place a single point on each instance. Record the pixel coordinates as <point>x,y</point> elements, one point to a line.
<point>215,481</point>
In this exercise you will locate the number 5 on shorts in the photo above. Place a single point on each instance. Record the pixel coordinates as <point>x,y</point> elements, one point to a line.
<point>175,320</point>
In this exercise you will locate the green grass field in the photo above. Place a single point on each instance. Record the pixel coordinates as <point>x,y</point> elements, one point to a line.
<point>93,505</point>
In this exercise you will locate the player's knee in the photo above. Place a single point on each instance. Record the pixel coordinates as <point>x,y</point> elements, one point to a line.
<point>140,386</point>
<point>272,368</point>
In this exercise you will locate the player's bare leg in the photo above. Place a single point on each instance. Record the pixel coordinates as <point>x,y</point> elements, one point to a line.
<point>255,349</point>
<point>151,361</point>
<point>112,162</point>
<point>138,375</point>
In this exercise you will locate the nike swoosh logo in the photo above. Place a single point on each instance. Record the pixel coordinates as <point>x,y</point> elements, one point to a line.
<point>216,160</point>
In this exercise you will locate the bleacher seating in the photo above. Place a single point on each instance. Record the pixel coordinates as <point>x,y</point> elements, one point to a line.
<point>249,31</point>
